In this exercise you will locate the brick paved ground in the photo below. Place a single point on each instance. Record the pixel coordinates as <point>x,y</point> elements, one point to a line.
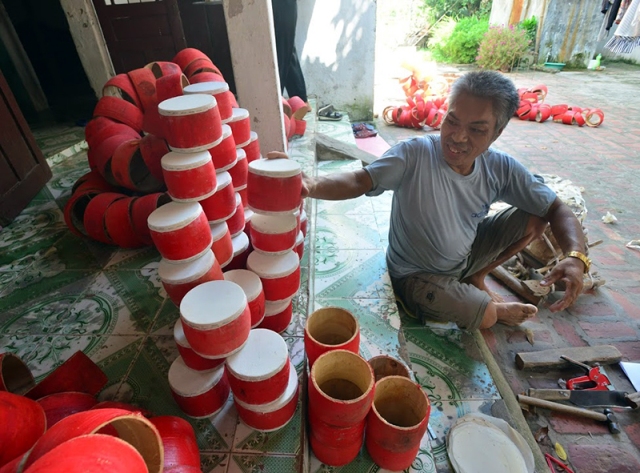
<point>605,162</point>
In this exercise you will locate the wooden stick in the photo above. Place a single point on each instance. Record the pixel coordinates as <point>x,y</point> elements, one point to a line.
<point>554,406</point>
<point>545,359</point>
<point>514,284</point>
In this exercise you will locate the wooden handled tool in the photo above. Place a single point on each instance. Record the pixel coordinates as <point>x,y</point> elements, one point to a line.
<point>606,416</point>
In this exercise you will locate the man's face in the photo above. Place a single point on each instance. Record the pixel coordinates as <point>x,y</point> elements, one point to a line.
<point>467,131</point>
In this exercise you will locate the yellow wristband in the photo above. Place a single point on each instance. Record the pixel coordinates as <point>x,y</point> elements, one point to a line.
<point>582,257</point>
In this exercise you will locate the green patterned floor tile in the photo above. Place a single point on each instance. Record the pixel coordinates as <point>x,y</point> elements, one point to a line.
<point>72,252</point>
<point>53,139</point>
<point>43,353</point>
<point>42,197</point>
<point>347,232</point>
<point>66,174</point>
<point>137,258</point>
<point>265,463</point>
<point>35,229</point>
<point>449,366</point>
<point>299,317</point>
<point>379,324</point>
<point>215,462</point>
<point>357,274</point>
<point>146,385</point>
<point>357,206</point>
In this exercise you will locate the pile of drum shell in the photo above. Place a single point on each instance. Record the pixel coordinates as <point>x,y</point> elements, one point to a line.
<point>58,425</point>
<point>533,108</point>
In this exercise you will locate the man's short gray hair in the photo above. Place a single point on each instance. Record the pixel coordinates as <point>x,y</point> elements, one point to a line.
<point>490,85</point>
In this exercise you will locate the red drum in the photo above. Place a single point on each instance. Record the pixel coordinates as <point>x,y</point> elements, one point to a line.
<point>252,287</point>
<point>273,233</point>
<point>153,149</point>
<point>304,222</point>
<point>170,86</point>
<point>95,210</point>
<point>179,442</point>
<point>224,153</point>
<point>335,436</point>
<point>180,231</point>
<point>121,86</point>
<point>236,221</point>
<point>189,176</point>
<point>205,76</point>
<point>141,208</point>
<point>240,169</point>
<point>186,56</point>
<point>216,318</point>
<point>100,128</point>
<point>191,122</point>
<point>274,185</point>
<point>242,192</point>
<point>119,225</point>
<point>259,372</point>
<point>335,456</point>
<point>280,274</point>
<point>277,315</point>
<point>198,393</point>
<point>276,414</point>
<point>240,126</point>
<point>330,328</point>
<point>178,279</point>
<point>119,110</point>
<point>163,68</point>
<point>15,375</point>
<point>240,244</point>
<point>222,246</point>
<point>220,90</point>
<point>220,206</point>
<point>189,356</point>
<point>253,148</point>
<point>300,245</point>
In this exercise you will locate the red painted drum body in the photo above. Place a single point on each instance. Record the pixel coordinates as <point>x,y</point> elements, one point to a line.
<point>240,126</point>
<point>259,372</point>
<point>300,245</point>
<point>276,414</point>
<point>141,209</point>
<point>189,176</point>
<point>180,231</point>
<point>236,221</point>
<point>341,388</point>
<point>222,203</point>
<point>273,233</point>
<point>178,279</point>
<point>119,225</point>
<point>253,148</point>
<point>215,318</point>
<point>280,274</point>
<point>397,422</point>
<point>239,171</point>
<point>198,393</point>
<point>241,250</point>
<point>330,328</point>
<point>224,153</point>
<point>244,195</point>
<point>274,185</point>
<point>277,315</point>
<point>179,442</point>
<point>189,356</point>
<point>252,287</point>
<point>248,216</point>
<point>191,122</point>
<point>222,245</point>
<point>219,90</point>
<point>333,456</point>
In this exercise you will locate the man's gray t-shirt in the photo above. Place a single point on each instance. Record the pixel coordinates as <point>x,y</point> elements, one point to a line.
<point>435,211</point>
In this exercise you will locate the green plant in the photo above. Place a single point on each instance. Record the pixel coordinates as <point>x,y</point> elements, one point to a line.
<point>530,25</point>
<point>461,46</point>
<point>501,48</point>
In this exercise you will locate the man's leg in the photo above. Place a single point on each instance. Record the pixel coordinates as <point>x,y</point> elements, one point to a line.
<point>295,83</point>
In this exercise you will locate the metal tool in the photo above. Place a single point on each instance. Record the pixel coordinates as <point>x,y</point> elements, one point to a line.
<point>605,416</point>
<point>588,397</point>
<point>551,460</point>
<point>594,380</point>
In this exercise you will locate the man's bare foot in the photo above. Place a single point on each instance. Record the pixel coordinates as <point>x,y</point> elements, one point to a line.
<point>514,313</point>
<point>477,280</point>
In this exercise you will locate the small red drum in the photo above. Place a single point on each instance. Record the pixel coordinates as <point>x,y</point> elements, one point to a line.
<point>220,205</point>
<point>180,231</point>
<point>189,356</point>
<point>178,279</point>
<point>280,274</point>
<point>236,221</point>
<point>274,185</point>
<point>300,245</point>
<point>259,372</point>
<point>198,393</point>
<point>242,192</point>
<point>240,127</point>
<point>224,153</point>
<point>220,90</point>
<point>191,122</point>
<point>189,176</point>
<point>276,414</point>
<point>222,246</point>
<point>216,318</point>
<point>303,222</point>
<point>240,252</point>
<point>277,315</point>
<point>252,287</point>
<point>240,169</point>
<point>253,148</point>
<point>273,233</point>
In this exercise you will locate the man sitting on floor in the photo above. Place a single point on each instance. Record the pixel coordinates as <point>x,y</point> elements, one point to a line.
<point>442,244</point>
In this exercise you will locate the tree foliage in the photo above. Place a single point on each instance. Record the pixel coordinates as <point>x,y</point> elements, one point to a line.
<point>457,8</point>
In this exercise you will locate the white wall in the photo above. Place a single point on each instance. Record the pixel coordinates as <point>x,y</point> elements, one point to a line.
<point>335,40</point>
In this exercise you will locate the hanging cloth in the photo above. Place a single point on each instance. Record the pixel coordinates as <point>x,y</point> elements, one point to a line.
<point>627,36</point>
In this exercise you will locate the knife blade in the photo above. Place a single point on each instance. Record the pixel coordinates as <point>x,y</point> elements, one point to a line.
<point>586,398</point>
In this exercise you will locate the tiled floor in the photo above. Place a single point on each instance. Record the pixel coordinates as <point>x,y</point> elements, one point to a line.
<point>60,293</point>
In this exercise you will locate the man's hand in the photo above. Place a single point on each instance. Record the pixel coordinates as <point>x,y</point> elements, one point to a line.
<point>570,272</point>
<point>307,182</point>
